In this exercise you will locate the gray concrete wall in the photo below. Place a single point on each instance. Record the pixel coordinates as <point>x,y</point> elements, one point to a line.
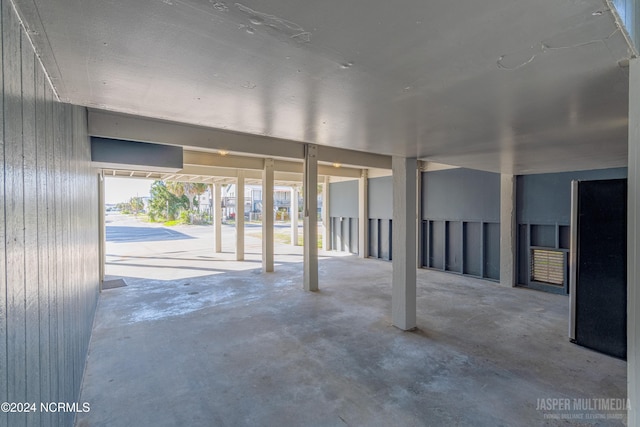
<point>49,226</point>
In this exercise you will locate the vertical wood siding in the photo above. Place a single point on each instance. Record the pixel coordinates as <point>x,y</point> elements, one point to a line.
<point>48,236</point>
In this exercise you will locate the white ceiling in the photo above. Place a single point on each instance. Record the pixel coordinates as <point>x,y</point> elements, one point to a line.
<point>513,86</point>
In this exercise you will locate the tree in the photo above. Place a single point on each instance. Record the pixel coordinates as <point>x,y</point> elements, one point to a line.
<point>189,190</point>
<point>164,203</point>
<point>136,205</point>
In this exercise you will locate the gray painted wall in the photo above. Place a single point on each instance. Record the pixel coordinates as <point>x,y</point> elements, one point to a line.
<point>543,212</point>
<point>343,210</point>
<point>135,154</point>
<point>461,194</point>
<point>461,216</point>
<point>343,199</point>
<point>546,198</point>
<point>49,226</point>
<point>381,197</point>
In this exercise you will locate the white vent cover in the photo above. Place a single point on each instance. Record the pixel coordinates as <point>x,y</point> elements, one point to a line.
<point>547,266</point>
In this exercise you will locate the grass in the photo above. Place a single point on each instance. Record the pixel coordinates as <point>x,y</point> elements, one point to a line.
<point>284,237</point>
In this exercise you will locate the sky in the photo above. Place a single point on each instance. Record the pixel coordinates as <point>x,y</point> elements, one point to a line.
<point>122,189</point>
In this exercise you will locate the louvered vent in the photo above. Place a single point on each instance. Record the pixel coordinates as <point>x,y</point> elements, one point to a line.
<point>547,266</point>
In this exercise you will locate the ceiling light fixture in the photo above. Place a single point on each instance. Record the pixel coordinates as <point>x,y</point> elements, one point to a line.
<point>223,152</point>
<point>337,165</point>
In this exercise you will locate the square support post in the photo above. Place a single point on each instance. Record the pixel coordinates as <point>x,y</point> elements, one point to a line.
<point>310,180</point>
<point>294,216</point>
<point>267,216</point>
<point>240,216</point>
<point>363,214</point>
<point>326,217</point>
<point>217,216</point>
<point>508,230</point>
<point>102,250</point>
<point>404,241</point>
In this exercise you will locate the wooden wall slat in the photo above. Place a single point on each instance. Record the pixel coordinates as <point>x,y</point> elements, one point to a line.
<point>3,281</point>
<point>49,275</point>
<point>52,247</point>
<point>30,230</point>
<point>14,199</point>
<point>69,325</point>
<point>42,167</point>
<point>59,231</point>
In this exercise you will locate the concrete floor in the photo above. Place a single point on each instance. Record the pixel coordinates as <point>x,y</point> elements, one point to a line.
<point>234,347</point>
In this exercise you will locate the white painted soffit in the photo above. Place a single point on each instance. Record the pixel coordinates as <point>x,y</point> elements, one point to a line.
<point>516,86</point>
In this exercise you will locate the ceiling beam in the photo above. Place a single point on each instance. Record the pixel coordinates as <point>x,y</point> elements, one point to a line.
<point>107,124</point>
<point>217,162</point>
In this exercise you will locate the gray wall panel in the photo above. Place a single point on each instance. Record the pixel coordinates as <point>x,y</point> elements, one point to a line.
<point>344,233</point>
<point>385,240</point>
<point>42,166</point>
<point>381,197</point>
<point>49,226</point>
<point>492,251</point>
<point>32,326</point>
<point>454,246</point>
<point>353,236</point>
<point>135,154</point>
<point>373,238</point>
<point>469,202</point>
<point>3,283</point>
<point>461,194</point>
<point>14,198</point>
<point>436,246</point>
<point>343,199</point>
<point>543,212</point>
<point>473,248</point>
<point>546,198</point>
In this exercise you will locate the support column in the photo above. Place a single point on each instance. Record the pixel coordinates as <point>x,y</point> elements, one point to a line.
<point>267,216</point>
<point>217,215</point>
<point>633,247</point>
<point>240,216</point>
<point>293,215</point>
<point>508,230</point>
<point>403,297</point>
<point>326,218</point>
<point>419,201</point>
<point>363,214</point>
<point>310,183</point>
<point>102,224</point>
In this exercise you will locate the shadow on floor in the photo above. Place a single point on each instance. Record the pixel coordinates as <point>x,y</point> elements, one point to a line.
<point>123,234</point>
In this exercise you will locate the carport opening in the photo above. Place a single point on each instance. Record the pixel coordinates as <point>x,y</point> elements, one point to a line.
<point>164,229</point>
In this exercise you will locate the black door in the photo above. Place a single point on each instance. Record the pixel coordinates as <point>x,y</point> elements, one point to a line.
<point>601,267</point>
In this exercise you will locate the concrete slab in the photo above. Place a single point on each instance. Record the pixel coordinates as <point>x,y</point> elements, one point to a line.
<point>238,347</point>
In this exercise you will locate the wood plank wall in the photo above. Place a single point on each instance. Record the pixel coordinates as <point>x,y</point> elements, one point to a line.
<point>48,236</point>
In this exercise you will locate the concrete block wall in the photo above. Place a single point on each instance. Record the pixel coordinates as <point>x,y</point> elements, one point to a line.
<point>48,236</point>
